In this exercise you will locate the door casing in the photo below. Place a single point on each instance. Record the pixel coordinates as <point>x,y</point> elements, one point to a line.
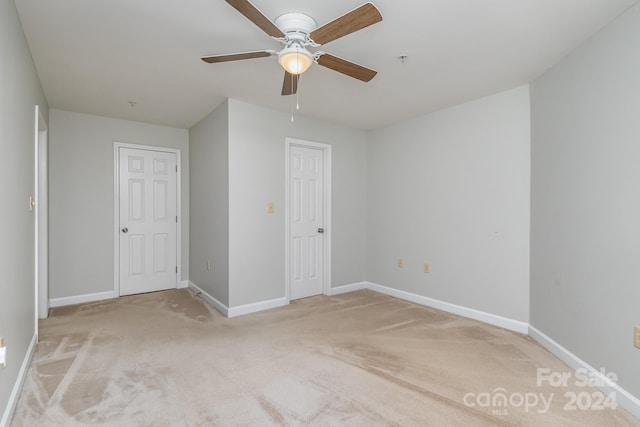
<point>326,149</point>
<point>41,208</point>
<point>116,210</point>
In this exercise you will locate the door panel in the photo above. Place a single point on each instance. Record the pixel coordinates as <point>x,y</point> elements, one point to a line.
<point>136,200</point>
<point>136,255</point>
<point>306,216</point>
<point>148,222</point>
<point>160,200</point>
<point>161,262</point>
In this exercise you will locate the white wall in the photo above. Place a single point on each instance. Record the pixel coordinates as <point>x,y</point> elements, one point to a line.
<point>20,91</point>
<point>257,176</point>
<point>209,210</point>
<point>585,248</point>
<point>452,188</point>
<point>81,194</point>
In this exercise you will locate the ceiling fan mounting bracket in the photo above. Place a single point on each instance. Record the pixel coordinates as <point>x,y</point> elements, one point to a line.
<point>317,55</point>
<point>296,28</point>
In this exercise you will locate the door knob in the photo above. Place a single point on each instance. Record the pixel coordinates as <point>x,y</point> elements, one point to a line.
<point>125,230</point>
<point>320,230</point>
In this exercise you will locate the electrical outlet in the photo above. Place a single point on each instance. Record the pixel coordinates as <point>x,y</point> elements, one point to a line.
<point>3,354</point>
<point>636,337</point>
<point>427,267</point>
<point>208,265</point>
<point>271,207</point>
<point>400,265</point>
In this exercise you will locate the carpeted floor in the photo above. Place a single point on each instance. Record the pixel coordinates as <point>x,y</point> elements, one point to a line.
<point>361,359</point>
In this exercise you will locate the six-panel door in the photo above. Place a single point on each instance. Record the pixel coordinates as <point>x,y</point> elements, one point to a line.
<point>148,221</point>
<point>307,221</point>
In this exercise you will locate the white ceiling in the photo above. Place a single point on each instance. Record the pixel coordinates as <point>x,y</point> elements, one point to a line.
<point>95,56</point>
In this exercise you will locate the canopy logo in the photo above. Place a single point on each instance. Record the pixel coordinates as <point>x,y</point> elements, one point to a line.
<point>499,401</point>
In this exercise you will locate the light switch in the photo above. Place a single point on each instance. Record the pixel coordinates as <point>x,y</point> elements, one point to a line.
<point>270,207</point>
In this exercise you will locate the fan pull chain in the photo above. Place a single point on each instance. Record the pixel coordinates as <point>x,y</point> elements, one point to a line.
<point>297,77</point>
<point>297,91</point>
<point>292,77</point>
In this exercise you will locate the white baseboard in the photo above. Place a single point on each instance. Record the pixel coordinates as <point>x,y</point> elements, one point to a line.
<point>99,296</point>
<point>347,288</point>
<point>17,388</point>
<point>222,308</point>
<point>241,309</point>
<point>492,319</point>
<point>258,306</point>
<point>79,299</point>
<point>623,397</point>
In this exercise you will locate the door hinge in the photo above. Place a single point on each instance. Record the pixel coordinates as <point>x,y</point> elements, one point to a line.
<point>176,218</point>
<point>176,168</point>
<point>176,269</point>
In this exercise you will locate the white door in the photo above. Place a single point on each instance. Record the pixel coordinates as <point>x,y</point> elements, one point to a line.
<point>306,195</point>
<point>148,220</point>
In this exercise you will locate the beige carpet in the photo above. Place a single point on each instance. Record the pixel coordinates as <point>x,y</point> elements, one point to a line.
<point>361,359</point>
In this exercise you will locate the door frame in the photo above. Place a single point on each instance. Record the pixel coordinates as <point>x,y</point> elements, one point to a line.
<point>41,211</point>
<point>326,252</point>
<point>116,209</point>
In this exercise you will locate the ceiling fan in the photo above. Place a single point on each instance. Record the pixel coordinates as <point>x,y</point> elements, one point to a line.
<point>297,32</point>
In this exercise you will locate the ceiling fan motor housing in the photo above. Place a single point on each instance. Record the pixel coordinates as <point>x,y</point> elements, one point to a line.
<point>296,26</point>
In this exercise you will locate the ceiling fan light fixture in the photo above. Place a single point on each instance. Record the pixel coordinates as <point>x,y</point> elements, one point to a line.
<point>295,60</point>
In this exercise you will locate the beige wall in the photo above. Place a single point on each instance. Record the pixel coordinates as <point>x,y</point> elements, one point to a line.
<point>209,210</point>
<point>20,92</point>
<point>257,176</point>
<point>585,233</point>
<point>81,192</point>
<point>451,188</point>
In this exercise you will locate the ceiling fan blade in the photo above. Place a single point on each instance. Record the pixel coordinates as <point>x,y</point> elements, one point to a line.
<point>346,67</point>
<point>236,56</point>
<point>290,83</point>
<point>246,8</point>
<point>359,18</point>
